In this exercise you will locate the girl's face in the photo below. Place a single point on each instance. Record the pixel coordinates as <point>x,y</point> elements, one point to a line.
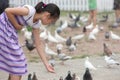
<point>46,19</point>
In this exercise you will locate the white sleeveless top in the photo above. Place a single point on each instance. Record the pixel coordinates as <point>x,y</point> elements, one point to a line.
<point>29,17</point>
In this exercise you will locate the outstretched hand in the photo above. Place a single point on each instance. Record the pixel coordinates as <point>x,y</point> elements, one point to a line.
<point>50,69</point>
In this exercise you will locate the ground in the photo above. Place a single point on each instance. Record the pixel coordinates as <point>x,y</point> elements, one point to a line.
<point>94,49</point>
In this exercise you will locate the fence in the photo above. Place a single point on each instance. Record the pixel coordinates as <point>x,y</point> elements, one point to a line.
<point>73,5</point>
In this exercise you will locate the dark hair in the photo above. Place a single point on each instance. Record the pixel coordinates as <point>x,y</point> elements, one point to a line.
<point>51,8</point>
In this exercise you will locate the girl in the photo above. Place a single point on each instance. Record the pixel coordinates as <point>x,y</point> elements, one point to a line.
<point>12,58</point>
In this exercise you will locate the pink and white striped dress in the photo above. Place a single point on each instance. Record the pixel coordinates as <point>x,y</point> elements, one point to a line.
<point>12,58</point>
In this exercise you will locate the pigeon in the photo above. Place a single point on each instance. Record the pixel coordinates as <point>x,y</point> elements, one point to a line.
<point>83,19</point>
<point>89,26</point>
<point>78,37</point>
<point>51,38</point>
<point>114,36</point>
<point>91,36</point>
<point>75,24</point>
<point>59,46</point>
<point>30,44</point>
<point>29,77</point>
<point>69,41</point>
<point>107,51</point>
<point>72,16</point>
<point>105,18</point>
<point>89,65</point>
<point>44,34</point>
<point>34,76</point>
<point>75,77</point>
<point>84,29</point>
<point>27,34</point>
<point>63,57</point>
<point>49,51</point>
<point>59,29</point>
<point>59,38</point>
<point>111,61</point>
<point>62,27</point>
<point>87,75</point>
<point>72,47</point>
<point>107,35</point>
<point>114,25</point>
<point>52,61</point>
<point>68,77</point>
<point>95,30</point>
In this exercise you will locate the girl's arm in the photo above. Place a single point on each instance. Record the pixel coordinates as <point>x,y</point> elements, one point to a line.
<point>10,12</point>
<point>40,49</point>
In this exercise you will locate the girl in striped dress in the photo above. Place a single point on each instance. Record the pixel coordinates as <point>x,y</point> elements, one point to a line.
<point>12,58</point>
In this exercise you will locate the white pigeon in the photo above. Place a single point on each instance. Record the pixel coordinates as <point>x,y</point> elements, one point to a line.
<point>114,36</point>
<point>78,37</point>
<point>44,34</point>
<point>59,38</point>
<point>91,36</point>
<point>59,46</point>
<point>89,26</point>
<point>95,30</point>
<point>49,51</point>
<point>111,61</point>
<point>88,64</point>
<point>51,38</point>
<point>27,34</point>
<point>83,19</point>
<point>72,47</point>
<point>64,25</point>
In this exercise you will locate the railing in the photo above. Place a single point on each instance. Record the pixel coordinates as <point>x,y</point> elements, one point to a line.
<point>69,5</point>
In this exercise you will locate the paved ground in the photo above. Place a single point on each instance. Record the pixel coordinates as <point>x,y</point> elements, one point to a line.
<point>75,66</point>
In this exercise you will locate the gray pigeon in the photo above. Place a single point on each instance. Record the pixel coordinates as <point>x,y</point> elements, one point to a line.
<point>29,77</point>
<point>105,18</point>
<point>34,76</point>
<point>107,35</point>
<point>68,77</point>
<point>69,41</point>
<point>87,75</point>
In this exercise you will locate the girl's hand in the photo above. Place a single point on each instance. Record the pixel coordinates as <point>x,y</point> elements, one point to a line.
<point>50,68</point>
<point>18,27</point>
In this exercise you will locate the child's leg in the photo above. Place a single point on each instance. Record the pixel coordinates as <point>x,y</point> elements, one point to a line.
<point>94,18</point>
<point>117,14</point>
<point>14,77</point>
<point>90,17</point>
